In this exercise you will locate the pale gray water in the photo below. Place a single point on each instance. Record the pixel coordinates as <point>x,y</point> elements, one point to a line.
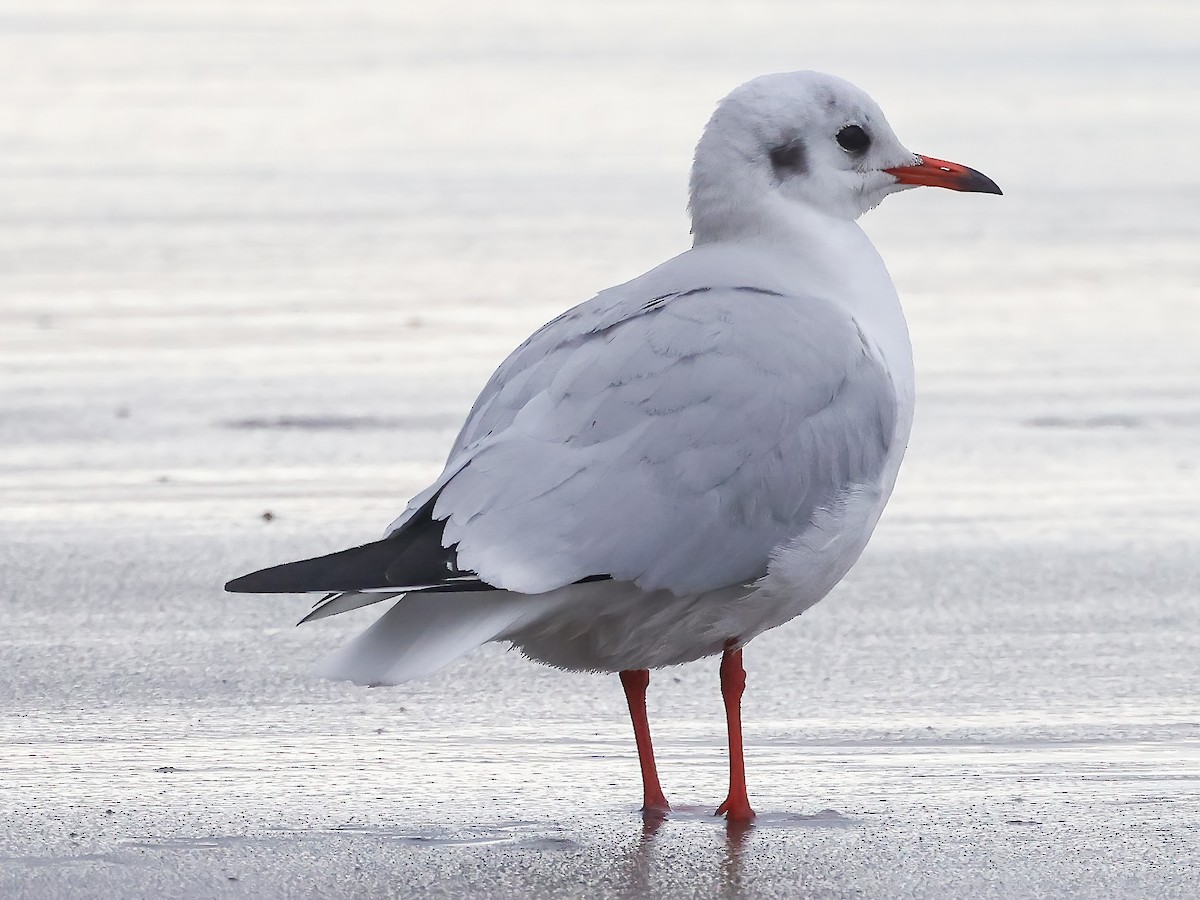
<point>260,256</point>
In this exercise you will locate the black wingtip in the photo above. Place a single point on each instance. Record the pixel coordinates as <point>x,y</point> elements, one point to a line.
<point>245,584</point>
<point>356,568</point>
<point>264,581</point>
<point>413,555</point>
<point>412,558</point>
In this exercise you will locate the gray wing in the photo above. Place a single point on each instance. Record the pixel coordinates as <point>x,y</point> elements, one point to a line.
<point>672,440</point>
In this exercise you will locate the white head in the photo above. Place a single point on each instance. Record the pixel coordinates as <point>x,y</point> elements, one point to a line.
<point>804,139</point>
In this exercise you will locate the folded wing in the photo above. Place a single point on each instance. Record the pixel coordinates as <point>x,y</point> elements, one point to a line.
<point>667,438</point>
<point>673,445</point>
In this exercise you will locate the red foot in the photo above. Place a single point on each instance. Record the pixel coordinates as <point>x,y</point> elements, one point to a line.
<point>655,806</point>
<point>654,802</point>
<point>656,812</point>
<point>736,810</point>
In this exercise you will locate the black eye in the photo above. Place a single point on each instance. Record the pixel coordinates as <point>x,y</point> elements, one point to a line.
<point>853,139</point>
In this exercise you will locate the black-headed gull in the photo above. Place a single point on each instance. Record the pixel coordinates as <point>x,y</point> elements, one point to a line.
<point>685,460</point>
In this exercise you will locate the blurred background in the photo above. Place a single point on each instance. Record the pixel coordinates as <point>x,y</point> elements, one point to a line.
<point>265,249</point>
<point>256,259</point>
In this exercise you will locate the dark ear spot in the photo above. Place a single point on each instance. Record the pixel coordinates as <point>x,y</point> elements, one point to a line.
<point>789,159</point>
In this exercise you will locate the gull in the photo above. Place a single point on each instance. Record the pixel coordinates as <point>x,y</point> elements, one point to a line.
<point>686,460</point>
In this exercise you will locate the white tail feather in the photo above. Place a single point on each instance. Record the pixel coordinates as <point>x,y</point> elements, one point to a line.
<point>424,632</point>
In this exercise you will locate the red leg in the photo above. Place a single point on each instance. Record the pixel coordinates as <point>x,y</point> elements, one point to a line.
<point>635,682</point>
<point>736,807</point>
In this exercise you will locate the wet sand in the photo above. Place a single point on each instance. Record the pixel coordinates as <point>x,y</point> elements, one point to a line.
<point>260,259</point>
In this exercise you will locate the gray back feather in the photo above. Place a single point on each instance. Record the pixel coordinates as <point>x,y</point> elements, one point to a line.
<point>643,431</point>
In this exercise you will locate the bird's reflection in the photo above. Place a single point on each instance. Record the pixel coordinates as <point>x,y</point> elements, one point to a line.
<point>736,833</point>
<point>647,873</point>
<point>652,822</point>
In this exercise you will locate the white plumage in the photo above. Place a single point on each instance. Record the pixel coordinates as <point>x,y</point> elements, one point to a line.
<point>674,433</point>
<point>685,460</point>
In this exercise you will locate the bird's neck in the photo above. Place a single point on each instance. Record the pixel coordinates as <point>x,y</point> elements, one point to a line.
<point>824,256</point>
<point>831,256</point>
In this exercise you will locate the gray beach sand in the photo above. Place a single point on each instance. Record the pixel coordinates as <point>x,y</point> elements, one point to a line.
<point>258,258</point>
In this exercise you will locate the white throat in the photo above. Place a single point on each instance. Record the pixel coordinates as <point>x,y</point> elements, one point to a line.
<point>828,256</point>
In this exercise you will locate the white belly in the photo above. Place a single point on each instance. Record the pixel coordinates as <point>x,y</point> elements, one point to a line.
<point>610,626</point>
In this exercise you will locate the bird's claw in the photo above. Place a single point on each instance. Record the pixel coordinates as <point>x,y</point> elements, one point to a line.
<point>736,810</point>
